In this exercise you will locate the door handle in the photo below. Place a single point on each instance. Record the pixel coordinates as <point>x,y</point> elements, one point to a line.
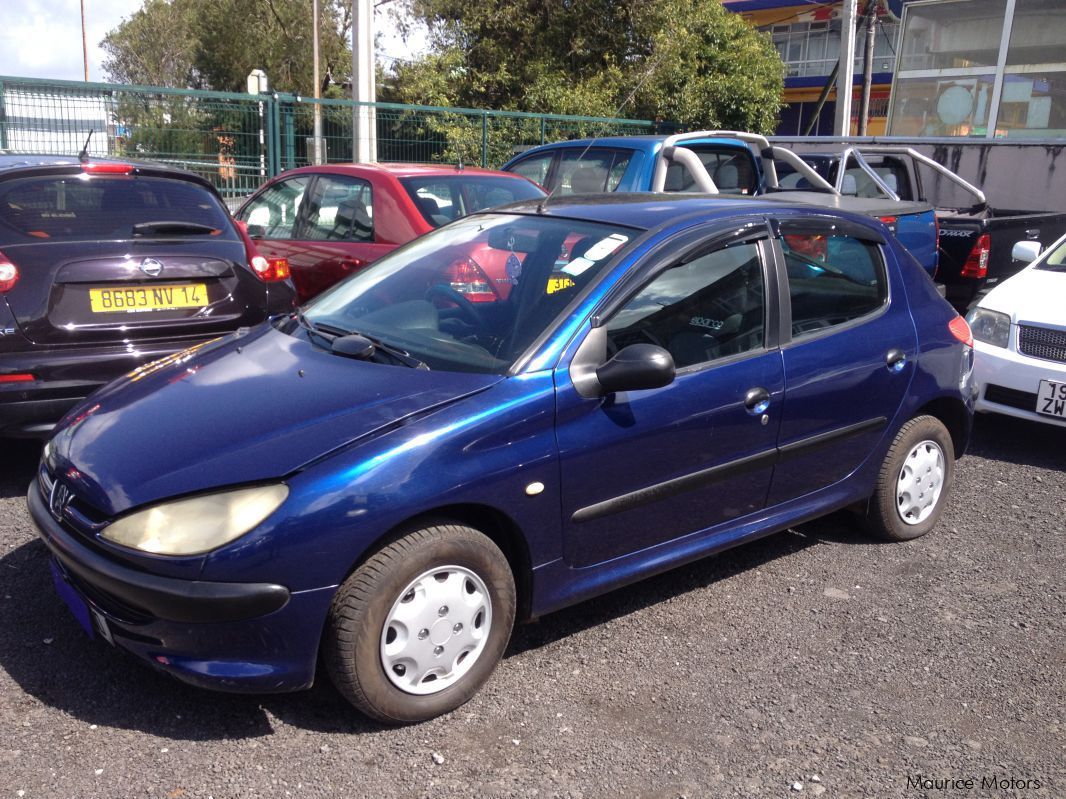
<point>895,360</point>
<point>757,400</point>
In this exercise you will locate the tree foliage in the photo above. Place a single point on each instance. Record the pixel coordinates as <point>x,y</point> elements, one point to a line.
<point>687,61</point>
<point>214,44</point>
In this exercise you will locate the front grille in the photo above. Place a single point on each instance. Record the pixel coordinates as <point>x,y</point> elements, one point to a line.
<point>1042,342</point>
<point>1011,397</point>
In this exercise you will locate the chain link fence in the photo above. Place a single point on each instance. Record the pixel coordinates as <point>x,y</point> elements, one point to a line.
<point>237,141</point>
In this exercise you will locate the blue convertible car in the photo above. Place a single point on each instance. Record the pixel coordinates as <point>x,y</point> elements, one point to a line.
<point>391,478</point>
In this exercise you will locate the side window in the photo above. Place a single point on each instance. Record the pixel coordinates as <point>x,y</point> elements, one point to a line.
<point>341,209</point>
<point>711,307</point>
<point>535,168</point>
<point>592,172</point>
<point>832,280</point>
<point>272,215</point>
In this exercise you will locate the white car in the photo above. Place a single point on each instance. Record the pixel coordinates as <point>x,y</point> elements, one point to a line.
<point>1019,331</point>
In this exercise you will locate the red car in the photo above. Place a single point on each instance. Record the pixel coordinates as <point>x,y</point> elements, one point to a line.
<point>329,221</point>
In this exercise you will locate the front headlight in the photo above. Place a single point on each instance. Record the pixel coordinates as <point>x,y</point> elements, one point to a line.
<point>198,524</point>
<point>991,327</point>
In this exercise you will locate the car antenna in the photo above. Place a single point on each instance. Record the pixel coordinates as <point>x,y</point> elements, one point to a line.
<point>647,74</point>
<point>83,156</point>
<point>459,166</point>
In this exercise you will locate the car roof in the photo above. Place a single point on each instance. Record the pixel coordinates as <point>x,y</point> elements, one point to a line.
<point>646,210</point>
<point>13,162</point>
<point>402,170</point>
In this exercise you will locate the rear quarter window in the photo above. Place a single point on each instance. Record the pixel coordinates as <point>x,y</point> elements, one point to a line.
<point>73,207</point>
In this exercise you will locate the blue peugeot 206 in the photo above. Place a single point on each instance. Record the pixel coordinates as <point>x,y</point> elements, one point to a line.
<point>389,479</point>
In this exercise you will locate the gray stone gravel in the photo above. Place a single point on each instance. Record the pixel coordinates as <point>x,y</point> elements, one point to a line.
<point>815,658</point>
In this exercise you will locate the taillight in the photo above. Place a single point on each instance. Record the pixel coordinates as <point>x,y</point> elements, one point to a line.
<point>891,222</point>
<point>961,330</point>
<point>9,274</point>
<point>268,270</point>
<point>467,278</point>
<point>97,168</point>
<point>21,377</point>
<point>976,265</point>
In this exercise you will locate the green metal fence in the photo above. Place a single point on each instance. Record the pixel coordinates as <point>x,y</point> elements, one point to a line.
<point>239,140</point>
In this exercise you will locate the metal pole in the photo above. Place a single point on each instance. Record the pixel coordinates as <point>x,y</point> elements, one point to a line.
<point>364,122</point>
<point>318,84</point>
<point>84,47</point>
<point>867,67</point>
<point>846,77</point>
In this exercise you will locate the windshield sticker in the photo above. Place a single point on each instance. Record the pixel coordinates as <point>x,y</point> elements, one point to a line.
<point>514,268</point>
<point>577,266</point>
<point>604,247</point>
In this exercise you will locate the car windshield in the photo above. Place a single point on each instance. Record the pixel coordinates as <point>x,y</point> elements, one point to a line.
<point>1056,261</point>
<point>442,198</point>
<point>473,296</point>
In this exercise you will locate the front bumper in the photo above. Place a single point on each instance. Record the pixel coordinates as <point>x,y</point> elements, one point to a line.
<point>1007,381</point>
<point>247,637</point>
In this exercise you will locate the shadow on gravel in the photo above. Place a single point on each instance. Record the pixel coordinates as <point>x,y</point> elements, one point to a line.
<point>837,528</point>
<point>1004,438</point>
<point>19,464</point>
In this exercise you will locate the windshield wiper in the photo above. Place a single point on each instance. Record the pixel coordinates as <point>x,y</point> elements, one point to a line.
<point>168,227</point>
<point>331,334</point>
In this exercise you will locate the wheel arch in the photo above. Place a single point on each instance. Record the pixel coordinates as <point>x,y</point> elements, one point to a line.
<point>955,416</point>
<point>500,528</point>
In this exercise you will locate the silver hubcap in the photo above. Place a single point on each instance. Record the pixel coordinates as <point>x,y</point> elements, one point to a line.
<point>436,630</point>
<point>920,482</point>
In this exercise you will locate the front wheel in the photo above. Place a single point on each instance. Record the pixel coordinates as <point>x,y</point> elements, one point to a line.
<point>419,627</point>
<point>914,481</point>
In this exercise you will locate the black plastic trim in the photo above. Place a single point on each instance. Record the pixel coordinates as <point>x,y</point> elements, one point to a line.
<point>167,598</point>
<point>671,488</point>
<point>723,471</point>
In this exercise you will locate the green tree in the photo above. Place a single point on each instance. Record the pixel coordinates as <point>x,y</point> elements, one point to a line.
<point>214,44</point>
<point>687,61</point>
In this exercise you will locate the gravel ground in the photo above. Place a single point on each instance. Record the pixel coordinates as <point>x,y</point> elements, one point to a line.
<point>815,662</point>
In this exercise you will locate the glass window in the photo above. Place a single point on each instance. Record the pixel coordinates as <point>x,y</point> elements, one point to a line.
<point>341,209</point>
<point>592,171</point>
<point>1038,33</point>
<point>1033,104</point>
<point>473,295</point>
<point>441,199</point>
<point>831,280</point>
<point>272,215</point>
<point>941,106</point>
<point>535,168</point>
<point>711,307</point>
<point>952,35</point>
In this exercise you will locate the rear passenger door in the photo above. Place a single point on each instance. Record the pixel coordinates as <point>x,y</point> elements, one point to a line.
<point>849,346</point>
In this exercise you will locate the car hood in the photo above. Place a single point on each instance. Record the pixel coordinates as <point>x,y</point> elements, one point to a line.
<point>1032,296</point>
<point>238,410</point>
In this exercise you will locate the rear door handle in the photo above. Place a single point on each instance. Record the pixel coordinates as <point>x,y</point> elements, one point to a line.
<point>757,400</point>
<point>896,359</point>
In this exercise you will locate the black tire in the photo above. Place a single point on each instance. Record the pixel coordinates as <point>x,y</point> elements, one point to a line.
<point>356,626</point>
<point>884,517</point>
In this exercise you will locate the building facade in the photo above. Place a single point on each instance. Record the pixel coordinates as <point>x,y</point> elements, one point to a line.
<point>807,35</point>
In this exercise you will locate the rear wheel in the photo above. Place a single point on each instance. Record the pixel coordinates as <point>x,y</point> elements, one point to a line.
<point>420,626</point>
<point>914,482</point>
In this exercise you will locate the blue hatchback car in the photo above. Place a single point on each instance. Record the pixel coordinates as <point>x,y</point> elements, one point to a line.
<point>388,480</point>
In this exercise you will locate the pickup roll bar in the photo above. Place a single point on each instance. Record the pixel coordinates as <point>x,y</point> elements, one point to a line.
<point>674,151</point>
<point>910,152</point>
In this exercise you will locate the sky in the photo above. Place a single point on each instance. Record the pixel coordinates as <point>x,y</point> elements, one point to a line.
<point>42,38</point>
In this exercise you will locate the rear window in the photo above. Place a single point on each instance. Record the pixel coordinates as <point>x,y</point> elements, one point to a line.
<point>77,207</point>
<point>440,199</point>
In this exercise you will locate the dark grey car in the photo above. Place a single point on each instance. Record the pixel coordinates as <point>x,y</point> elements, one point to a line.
<point>106,266</point>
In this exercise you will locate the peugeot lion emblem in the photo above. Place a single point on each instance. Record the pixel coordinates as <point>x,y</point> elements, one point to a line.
<point>151,267</point>
<point>58,500</point>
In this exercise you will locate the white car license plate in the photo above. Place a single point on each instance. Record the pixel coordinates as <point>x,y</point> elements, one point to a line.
<point>1051,398</point>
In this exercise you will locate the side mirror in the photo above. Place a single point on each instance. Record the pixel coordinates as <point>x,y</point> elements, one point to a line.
<point>637,367</point>
<point>1027,251</point>
<point>256,231</point>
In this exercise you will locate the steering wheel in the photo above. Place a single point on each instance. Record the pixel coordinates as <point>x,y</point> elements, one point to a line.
<point>465,307</point>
